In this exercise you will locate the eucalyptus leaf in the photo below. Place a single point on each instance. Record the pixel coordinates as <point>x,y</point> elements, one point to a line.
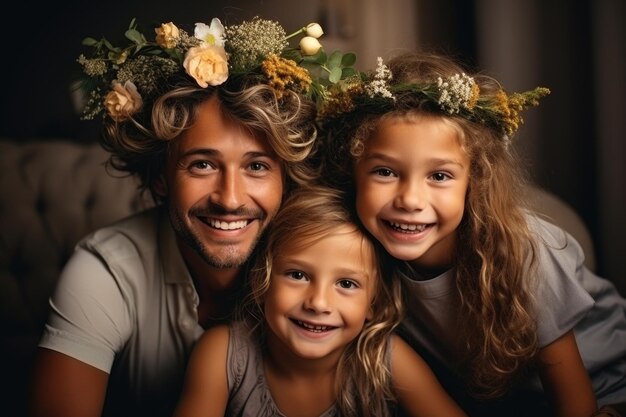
<point>334,61</point>
<point>348,59</point>
<point>335,75</point>
<point>347,72</point>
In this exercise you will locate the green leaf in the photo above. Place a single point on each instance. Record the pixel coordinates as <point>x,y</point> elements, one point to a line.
<point>347,72</point>
<point>90,42</point>
<point>135,36</point>
<point>335,75</point>
<point>348,59</point>
<point>109,46</point>
<point>335,59</point>
<point>132,24</point>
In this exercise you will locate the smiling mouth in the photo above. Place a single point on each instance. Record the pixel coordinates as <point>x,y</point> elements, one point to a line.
<point>313,327</point>
<point>224,225</point>
<point>408,228</point>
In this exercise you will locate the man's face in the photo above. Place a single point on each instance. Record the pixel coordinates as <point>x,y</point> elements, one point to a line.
<point>223,186</point>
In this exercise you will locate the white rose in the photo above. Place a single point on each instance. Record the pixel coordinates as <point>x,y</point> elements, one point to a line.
<point>314,30</point>
<point>309,45</point>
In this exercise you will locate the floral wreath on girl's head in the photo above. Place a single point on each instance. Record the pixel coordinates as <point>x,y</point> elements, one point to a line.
<point>456,95</point>
<point>120,80</point>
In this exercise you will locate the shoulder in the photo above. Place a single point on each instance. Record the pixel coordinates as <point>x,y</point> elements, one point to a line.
<point>211,349</point>
<point>134,229</point>
<point>553,241</point>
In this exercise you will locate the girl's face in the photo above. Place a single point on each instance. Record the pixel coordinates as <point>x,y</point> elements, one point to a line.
<point>411,184</point>
<point>320,295</point>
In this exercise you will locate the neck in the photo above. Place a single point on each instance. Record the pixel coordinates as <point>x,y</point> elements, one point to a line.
<point>217,288</point>
<point>282,360</point>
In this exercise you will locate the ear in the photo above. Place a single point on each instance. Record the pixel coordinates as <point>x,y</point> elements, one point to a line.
<point>159,186</point>
<point>370,313</point>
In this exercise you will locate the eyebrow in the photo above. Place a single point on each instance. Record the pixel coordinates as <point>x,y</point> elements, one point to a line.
<point>215,152</point>
<point>433,161</point>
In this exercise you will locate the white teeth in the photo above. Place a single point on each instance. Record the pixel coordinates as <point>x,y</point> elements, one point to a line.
<point>228,225</point>
<point>312,327</point>
<point>409,227</point>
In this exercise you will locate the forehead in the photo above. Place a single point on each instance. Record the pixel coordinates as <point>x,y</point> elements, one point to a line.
<point>346,241</point>
<point>214,130</point>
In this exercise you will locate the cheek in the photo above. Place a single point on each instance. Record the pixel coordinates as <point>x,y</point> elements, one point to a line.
<point>269,194</point>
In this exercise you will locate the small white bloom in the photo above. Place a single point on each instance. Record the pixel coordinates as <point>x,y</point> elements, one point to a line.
<point>309,45</point>
<point>211,35</point>
<point>314,30</point>
<point>455,93</point>
<point>379,86</point>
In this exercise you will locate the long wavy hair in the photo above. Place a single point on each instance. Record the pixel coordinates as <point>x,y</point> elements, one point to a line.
<point>495,255</point>
<point>362,383</point>
<point>139,146</point>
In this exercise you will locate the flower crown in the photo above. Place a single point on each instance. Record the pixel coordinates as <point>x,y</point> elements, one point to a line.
<point>120,80</point>
<point>456,95</point>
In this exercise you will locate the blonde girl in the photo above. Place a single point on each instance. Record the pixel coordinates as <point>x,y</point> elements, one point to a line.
<point>498,300</point>
<point>316,338</point>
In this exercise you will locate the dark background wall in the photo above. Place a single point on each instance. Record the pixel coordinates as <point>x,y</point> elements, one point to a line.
<point>574,144</point>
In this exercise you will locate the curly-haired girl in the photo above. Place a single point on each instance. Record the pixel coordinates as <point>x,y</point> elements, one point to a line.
<point>496,297</point>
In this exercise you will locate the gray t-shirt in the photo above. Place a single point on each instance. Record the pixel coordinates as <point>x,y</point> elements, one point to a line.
<point>568,296</point>
<point>249,394</point>
<point>125,304</point>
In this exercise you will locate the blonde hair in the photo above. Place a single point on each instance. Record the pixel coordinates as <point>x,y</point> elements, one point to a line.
<point>139,145</point>
<point>362,382</point>
<point>496,252</point>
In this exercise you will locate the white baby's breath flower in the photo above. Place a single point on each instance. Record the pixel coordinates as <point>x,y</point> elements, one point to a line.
<point>379,86</point>
<point>314,30</point>
<point>455,93</point>
<point>211,35</point>
<point>309,45</point>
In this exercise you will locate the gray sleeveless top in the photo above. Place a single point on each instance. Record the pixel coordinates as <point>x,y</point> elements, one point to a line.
<point>249,394</point>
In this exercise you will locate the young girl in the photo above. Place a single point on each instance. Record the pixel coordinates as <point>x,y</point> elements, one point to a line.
<point>317,337</point>
<point>496,297</point>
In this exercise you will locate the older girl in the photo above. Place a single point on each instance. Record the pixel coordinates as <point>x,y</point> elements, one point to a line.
<point>498,299</point>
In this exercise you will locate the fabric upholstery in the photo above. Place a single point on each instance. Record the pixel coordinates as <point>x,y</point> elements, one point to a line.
<point>52,193</point>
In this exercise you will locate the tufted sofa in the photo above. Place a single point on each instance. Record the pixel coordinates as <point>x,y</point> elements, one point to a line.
<point>52,192</point>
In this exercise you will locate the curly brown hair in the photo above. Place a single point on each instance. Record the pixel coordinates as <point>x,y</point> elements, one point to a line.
<point>139,146</point>
<point>496,252</point>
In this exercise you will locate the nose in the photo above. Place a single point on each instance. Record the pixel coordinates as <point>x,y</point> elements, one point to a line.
<point>412,195</point>
<point>230,190</point>
<point>318,299</point>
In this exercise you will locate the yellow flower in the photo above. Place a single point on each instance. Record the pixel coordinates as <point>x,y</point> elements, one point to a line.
<point>309,45</point>
<point>123,100</point>
<point>207,64</point>
<point>167,35</point>
<point>314,30</point>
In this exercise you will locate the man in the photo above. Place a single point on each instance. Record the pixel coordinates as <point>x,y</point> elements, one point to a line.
<point>218,152</point>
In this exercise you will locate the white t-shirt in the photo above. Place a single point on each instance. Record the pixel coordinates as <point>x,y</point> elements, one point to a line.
<point>568,296</point>
<point>125,303</point>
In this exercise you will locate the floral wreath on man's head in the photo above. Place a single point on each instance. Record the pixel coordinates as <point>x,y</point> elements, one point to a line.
<point>120,80</point>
